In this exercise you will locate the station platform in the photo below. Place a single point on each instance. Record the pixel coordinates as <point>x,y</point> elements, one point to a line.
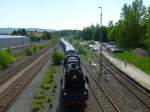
<point>132,71</point>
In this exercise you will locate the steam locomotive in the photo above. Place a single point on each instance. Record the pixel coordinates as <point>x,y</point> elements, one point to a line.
<point>74,89</point>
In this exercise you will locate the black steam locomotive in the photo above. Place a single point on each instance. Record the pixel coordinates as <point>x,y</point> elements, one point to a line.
<point>74,89</point>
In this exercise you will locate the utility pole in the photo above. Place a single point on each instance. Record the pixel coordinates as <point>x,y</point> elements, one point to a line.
<point>101,37</point>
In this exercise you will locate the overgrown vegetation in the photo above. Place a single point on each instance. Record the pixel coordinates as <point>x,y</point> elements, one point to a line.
<point>141,62</point>
<point>9,51</point>
<point>34,48</point>
<point>43,97</point>
<point>38,101</point>
<point>6,58</point>
<point>81,50</point>
<point>28,51</point>
<point>57,57</point>
<point>47,81</point>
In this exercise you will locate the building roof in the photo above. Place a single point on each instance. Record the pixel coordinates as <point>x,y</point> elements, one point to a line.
<point>10,36</point>
<point>39,34</point>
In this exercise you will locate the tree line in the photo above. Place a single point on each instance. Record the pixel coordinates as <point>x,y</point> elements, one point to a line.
<point>45,36</point>
<point>131,31</point>
<point>22,32</point>
<point>133,28</point>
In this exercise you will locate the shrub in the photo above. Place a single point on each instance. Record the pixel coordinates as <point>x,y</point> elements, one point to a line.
<point>57,57</point>
<point>9,51</point>
<point>40,95</point>
<point>92,42</point>
<point>38,101</point>
<point>80,48</point>
<point>41,46</point>
<point>49,100</point>
<point>37,104</point>
<point>34,48</point>
<point>46,46</point>
<point>82,51</point>
<point>5,59</point>
<point>45,85</point>
<point>29,51</point>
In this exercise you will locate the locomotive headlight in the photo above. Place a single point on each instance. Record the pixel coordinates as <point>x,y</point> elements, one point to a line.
<point>65,93</point>
<point>85,93</point>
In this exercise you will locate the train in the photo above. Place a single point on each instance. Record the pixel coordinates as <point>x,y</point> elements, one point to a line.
<point>74,83</point>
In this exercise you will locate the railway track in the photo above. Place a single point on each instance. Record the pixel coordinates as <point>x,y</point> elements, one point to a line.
<point>106,103</point>
<point>5,76</point>
<point>9,96</point>
<point>139,92</point>
<point>136,89</point>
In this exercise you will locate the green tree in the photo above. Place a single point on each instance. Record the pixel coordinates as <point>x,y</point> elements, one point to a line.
<point>5,59</point>
<point>23,32</point>
<point>128,32</point>
<point>14,33</point>
<point>146,40</point>
<point>95,33</point>
<point>57,57</point>
<point>46,36</point>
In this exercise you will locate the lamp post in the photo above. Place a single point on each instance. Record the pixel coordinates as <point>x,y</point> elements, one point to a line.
<point>101,37</point>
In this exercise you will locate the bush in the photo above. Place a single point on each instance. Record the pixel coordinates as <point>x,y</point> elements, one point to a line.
<point>57,57</point>
<point>92,42</point>
<point>47,81</point>
<point>37,104</point>
<point>34,48</point>
<point>9,51</point>
<point>49,100</point>
<point>40,95</point>
<point>41,46</point>
<point>82,50</point>
<point>45,85</point>
<point>5,59</point>
<point>45,46</point>
<point>38,101</point>
<point>29,51</point>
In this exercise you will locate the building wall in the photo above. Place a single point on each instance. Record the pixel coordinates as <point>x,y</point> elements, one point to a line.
<point>14,42</point>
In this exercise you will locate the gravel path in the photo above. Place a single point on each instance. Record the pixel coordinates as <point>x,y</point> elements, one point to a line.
<point>24,102</point>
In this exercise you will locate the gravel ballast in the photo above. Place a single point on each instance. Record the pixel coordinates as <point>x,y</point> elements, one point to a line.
<point>24,102</point>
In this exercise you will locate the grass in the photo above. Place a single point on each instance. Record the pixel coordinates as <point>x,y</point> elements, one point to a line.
<point>41,98</point>
<point>40,95</point>
<point>38,101</point>
<point>83,51</point>
<point>49,77</point>
<point>142,63</point>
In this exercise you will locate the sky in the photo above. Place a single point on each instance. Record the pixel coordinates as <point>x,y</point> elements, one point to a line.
<point>59,14</point>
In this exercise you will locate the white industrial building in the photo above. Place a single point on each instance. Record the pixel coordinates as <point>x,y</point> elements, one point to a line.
<point>9,41</point>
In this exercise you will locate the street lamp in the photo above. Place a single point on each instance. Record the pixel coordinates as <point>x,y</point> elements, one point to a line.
<point>101,36</point>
